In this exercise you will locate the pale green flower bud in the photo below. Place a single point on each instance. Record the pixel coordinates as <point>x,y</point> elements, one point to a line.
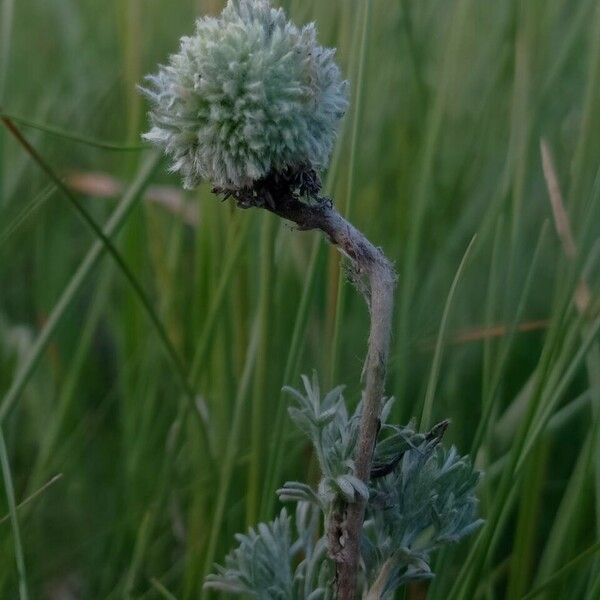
<point>249,95</point>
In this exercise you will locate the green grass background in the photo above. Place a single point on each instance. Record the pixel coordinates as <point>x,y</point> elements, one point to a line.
<point>139,467</point>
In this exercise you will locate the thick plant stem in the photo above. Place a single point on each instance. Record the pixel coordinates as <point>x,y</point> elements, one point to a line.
<point>374,276</point>
<point>381,303</point>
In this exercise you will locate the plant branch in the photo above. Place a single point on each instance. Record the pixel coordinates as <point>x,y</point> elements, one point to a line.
<point>374,276</point>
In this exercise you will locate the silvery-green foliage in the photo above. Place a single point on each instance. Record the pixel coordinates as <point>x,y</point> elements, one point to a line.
<point>260,566</point>
<point>266,565</point>
<point>314,574</point>
<point>333,433</point>
<point>427,501</point>
<point>420,497</point>
<point>250,93</point>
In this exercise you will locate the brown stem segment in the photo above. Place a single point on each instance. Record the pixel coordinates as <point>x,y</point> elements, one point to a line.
<point>372,267</point>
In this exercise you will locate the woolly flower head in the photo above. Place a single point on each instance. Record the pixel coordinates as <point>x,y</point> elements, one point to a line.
<point>248,95</point>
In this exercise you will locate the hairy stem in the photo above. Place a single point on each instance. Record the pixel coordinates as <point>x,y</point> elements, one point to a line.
<point>374,276</point>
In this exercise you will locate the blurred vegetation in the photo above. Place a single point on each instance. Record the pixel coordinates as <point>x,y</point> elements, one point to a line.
<point>139,485</point>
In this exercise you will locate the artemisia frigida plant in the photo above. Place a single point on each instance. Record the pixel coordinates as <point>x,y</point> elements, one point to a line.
<point>252,104</point>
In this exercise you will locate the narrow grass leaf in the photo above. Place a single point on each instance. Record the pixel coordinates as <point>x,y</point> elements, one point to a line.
<point>76,283</point>
<point>437,357</point>
<point>10,497</point>
<point>73,137</point>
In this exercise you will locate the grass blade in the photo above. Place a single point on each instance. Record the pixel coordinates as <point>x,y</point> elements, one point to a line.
<point>73,137</point>
<point>275,460</point>
<point>111,249</point>
<point>143,298</point>
<point>10,497</point>
<point>561,573</point>
<point>80,276</point>
<point>33,496</point>
<point>227,466</point>
<point>340,292</point>
<point>25,213</point>
<point>437,357</point>
<point>162,590</point>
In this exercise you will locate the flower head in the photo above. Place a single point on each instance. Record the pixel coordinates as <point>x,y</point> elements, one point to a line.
<point>250,94</point>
